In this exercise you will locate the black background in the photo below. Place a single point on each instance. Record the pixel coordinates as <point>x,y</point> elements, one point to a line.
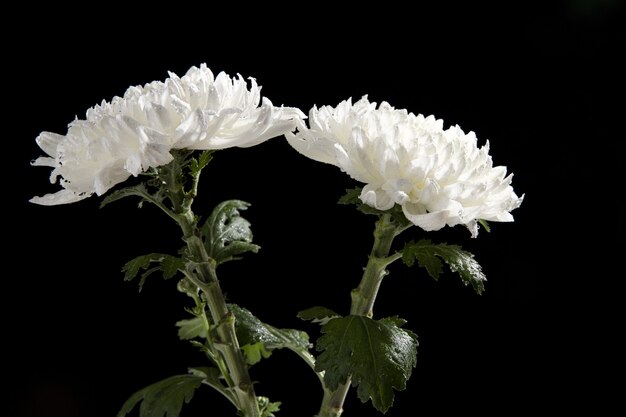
<point>542,81</point>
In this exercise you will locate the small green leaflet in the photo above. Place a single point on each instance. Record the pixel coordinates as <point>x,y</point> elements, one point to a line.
<point>167,264</point>
<point>267,407</point>
<point>318,314</point>
<point>255,352</point>
<point>197,164</point>
<point>191,328</point>
<point>485,224</point>
<point>378,354</point>
<point>352,196</point>
<point>227,234</point>
<point>170,266</point>
<point>429,255</point>
<point>139,190</point>
<point>258,339</point>
<point>164,398</point>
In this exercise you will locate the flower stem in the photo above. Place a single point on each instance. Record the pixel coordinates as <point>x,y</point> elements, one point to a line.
<point>228,345</point>
<point>363,298</point>
<point>232,362</point>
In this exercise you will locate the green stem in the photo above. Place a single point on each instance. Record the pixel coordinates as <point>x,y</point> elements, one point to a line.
<point>204,277</point>
<point>211,352</point>
<point>228,345</point>
<point>363,298</point>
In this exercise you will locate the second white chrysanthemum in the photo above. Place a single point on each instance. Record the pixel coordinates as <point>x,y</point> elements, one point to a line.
<point>439,177</point>
<point>138,131</point>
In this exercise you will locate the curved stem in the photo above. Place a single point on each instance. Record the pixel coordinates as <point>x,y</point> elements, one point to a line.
<point>364,297</point>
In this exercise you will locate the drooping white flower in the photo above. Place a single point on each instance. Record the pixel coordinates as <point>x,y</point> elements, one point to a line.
<point>137,131</point>
<point>439,177</point>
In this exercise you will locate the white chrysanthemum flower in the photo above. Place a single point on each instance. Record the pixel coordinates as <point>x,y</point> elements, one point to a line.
<point>133,133</point>
<point>439,177</point>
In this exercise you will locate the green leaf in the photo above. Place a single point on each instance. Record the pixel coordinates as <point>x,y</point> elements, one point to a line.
<point>191,328</point>
<point>139,190</point>
<point>379,356</point>
<point>164,398</point>
<point>318,314</point>
<point>132,267</point>
<point>168,264</point>
<point>351,196</point>
<point>227,234</point>
<point>429,256</point>
<point>423,252</point>
<point>213,378</point>
<point>268,408</point>
<point>197,164</point>
<point>485,224</point>
<point>251,331</point>
<point>255,352</point>
<point>146,274</point>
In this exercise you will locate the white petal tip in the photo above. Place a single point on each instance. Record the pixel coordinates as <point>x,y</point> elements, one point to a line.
<point>61,197</point>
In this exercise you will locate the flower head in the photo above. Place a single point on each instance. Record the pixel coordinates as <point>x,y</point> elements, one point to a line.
<point>439,177</point>
<point>137,131</point>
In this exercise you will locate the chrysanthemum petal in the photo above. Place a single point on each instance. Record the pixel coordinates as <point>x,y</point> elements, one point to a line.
<point>60,197</point>
<point>136,132</point>
<point>439,177</point>
<point>49,142</point>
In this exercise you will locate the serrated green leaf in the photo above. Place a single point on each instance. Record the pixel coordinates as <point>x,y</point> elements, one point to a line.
<point>213,378</point>
<point>268,408</point>
<point>398,321</point>
<point>378,355</point>
<point>255,352</point>
<point>429,256</point>
<point>197,164</point>
<point>139,190</point>
<point>231,251</point>
<point>251,331</point>
<point>191,328</point>
<point>318,314</point>
<point>425,258</point>
<point>351,196</point>
<point>227,234</point>
<point>164,398</point>
<point>168,264</point>
<point>132,267</point>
